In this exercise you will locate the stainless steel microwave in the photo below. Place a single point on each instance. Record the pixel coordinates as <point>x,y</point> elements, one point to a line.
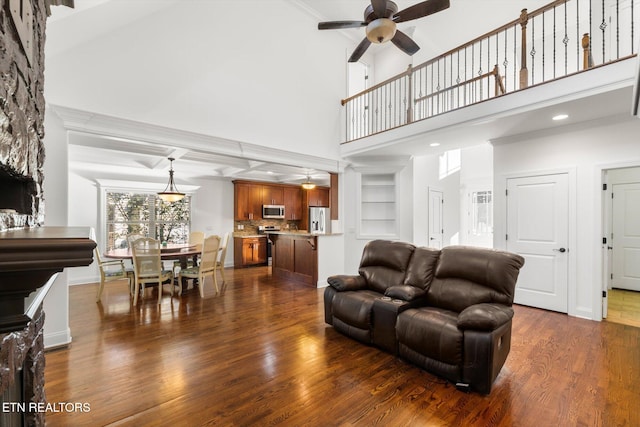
<point>273,211</point>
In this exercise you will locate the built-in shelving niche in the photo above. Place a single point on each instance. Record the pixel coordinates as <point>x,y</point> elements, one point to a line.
<point>377,205</point>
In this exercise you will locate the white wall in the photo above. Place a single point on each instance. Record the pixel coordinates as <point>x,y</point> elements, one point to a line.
<point>56,303</point>
<point>588,150</point>
<point>274,81</point>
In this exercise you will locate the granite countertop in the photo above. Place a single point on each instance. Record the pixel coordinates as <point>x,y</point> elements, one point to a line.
<point>300,233</point>
<point>249,236</point>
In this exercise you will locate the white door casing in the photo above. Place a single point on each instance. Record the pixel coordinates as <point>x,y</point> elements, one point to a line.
<point>538,230</point>
<point>626,236</point>
<point>435,208</point>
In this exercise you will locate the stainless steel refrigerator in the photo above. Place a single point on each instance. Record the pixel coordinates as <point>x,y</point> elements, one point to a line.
<point>319,221</point>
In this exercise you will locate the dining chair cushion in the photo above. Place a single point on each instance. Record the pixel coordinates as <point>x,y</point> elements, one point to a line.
<point>190,270</point>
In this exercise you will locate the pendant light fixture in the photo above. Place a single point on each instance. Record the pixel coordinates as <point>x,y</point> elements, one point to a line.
<point>171,193</point>
<point>308,185</point>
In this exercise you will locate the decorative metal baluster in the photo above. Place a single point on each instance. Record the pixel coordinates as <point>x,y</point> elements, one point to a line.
<point>565,40</point>
<point>506,61</point>
<point>515,56</point>
<point>618,28</point>
<point>458,82</point>
<point>533,52</point>
<point>544,32</point>
<point>603,26</point>
<point>578,44</point>
<point>554,42</point>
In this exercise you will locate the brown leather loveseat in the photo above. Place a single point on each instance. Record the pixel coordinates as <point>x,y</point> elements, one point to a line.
<point>447,311</point>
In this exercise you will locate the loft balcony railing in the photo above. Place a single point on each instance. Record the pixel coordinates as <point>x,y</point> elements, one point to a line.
<point>560,39</point>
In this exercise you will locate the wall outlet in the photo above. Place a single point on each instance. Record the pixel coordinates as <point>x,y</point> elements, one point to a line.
<point>240,227</point>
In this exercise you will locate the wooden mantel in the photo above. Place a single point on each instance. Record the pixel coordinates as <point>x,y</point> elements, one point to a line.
<point>28,259</point>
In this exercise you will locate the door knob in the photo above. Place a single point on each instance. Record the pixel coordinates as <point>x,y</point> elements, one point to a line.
<point>561,250</point>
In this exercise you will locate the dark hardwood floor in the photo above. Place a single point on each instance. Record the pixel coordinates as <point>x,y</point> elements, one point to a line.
<point>261,354</point>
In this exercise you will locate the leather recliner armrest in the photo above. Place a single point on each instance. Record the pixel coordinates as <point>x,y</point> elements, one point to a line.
<point>347,283</point>
<point>405,292</point>
<point>484,317</point>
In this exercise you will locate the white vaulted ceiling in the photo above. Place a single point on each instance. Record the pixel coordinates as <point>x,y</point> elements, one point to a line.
<point>245,88</point>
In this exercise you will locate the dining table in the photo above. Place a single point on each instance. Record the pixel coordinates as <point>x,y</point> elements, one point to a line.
<point>179,251</point>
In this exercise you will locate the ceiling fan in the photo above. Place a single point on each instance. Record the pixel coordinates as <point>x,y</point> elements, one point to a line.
<point>380,18</point>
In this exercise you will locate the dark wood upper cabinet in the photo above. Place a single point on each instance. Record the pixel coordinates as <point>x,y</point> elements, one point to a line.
<point>319,196</point>
<point>248,201</point>
<point>272,195</point>
<point>293,203</point>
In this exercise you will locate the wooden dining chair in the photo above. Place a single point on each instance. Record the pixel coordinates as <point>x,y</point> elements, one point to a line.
<point>195,238</point>
<point>208,260</point>
<point>147,266</point>
<point>222,256</point>
<point>111,271</point>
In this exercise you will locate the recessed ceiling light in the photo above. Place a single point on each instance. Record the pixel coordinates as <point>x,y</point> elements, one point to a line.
<point>560,117</point>
<point>270,172</point>
<point>434,144</point>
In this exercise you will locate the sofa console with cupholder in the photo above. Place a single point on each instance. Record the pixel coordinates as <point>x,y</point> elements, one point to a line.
<point>448,311</point>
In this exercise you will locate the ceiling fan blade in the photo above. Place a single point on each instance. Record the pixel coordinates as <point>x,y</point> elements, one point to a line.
<point>360,50</point>
<point>337,25</point>
<point>379,8</point>
<point>404,43</point>
<point>420,10</point>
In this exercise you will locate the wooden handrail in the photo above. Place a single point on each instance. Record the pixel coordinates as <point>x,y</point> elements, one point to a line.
<point>461,84</point>
<point>405,73</point>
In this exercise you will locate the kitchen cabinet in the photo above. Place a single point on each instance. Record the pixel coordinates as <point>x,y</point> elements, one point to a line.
<point>272,195</point>
<point>292,203</point>
<point>295,257</point>
<point>249,251</point>
<point>248,201</point>
<point>319,196</point>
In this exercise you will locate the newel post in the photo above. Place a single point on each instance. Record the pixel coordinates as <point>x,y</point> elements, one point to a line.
<point>524,73</point>
<point>586,51</point>
<point>409,94</point>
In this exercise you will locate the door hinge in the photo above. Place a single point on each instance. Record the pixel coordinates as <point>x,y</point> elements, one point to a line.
<point>506,237</point>
<point>604,294</point>
<point>604,240</point>
<point>506,192</point>
<point>612,195</point>
<point>604,187</point>
<point>611,276</point>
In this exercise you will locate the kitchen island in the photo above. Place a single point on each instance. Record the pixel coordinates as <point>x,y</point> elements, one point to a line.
<point>305,257</point>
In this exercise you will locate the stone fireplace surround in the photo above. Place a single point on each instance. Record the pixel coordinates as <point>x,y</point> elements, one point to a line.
<point>30,255</point>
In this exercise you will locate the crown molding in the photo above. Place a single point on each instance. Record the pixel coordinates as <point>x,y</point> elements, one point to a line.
<point>140,132</point>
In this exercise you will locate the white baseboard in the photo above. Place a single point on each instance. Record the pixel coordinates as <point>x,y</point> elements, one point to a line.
<point>57,339</point>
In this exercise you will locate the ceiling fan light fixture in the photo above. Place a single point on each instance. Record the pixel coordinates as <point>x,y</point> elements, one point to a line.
<point>308,185</point>
<point>171,193</point>
<point>381,30</point>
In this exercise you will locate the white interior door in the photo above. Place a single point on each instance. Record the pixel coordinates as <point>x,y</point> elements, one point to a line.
<point>538,230</point>
<point>626,236</point>
<point>436,229</point>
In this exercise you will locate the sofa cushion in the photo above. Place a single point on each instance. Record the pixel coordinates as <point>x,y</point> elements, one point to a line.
<point>484,317</point>
<point>466,276</point>
<point>405,292</point>
<point>422,267</point>
<point>433,333</point>
<point>354,307</point>
<point>384,263</point>
<point>343,282</point>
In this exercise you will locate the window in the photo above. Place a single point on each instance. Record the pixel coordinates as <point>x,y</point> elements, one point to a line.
<point>481,213</point>
<point>143,213</point>
<point>450,162</point>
